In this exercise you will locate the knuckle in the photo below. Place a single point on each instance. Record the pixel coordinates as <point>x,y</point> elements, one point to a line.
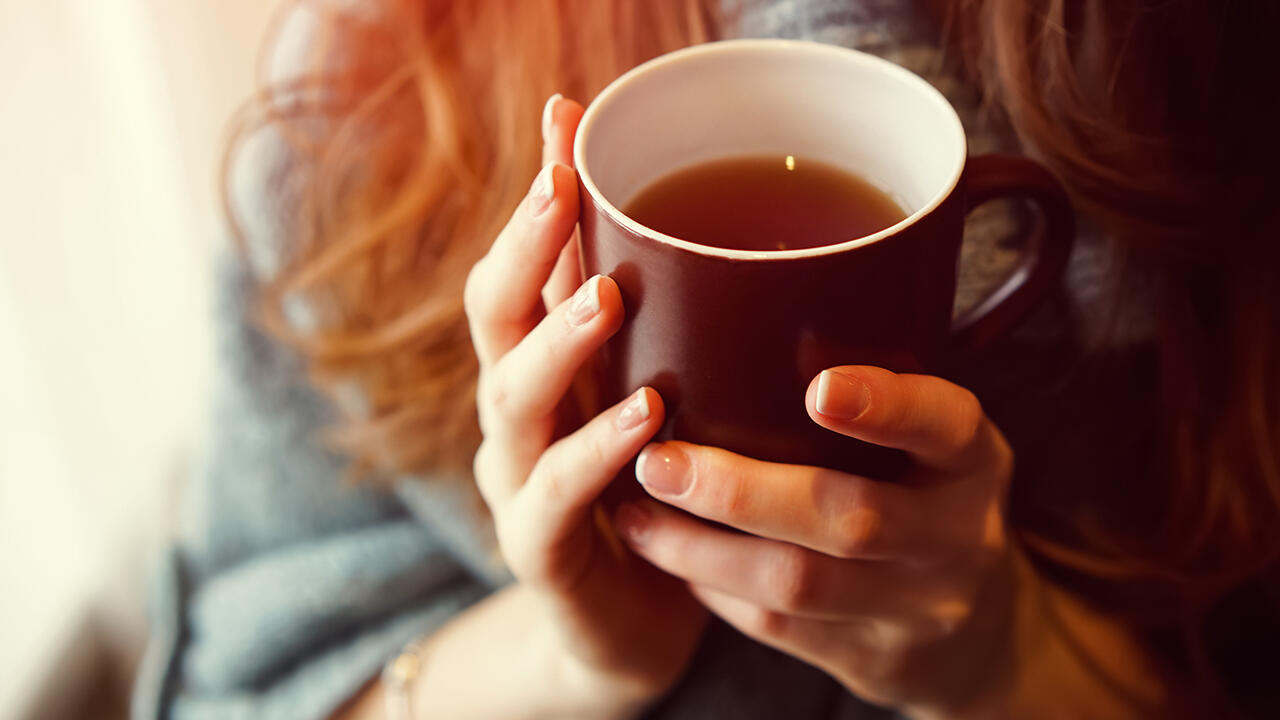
<point>992,551</point>
<point>473,291</point>
<point>498,398</point>
<point>552,479</point>
<point>942,621</point>
<point>671,550</point>
<point>590,446</point>
<point>547,478</point>
<point>556,469</point>
<point>790,577</point>
<point>893,417</point>
<point>484,404</point>
<point>765,623</point>
<point>596,454</point>
<point>854,516</point>
<point>993,540</point>
<point>968,419</point>
<point>857,531</point>
<point>484,472</point>
<point>727,497</point>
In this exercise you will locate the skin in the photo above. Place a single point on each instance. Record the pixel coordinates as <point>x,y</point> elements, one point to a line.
<point>909,594</point>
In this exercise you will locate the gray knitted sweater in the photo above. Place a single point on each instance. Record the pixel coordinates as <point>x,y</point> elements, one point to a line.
<point>288,588</point>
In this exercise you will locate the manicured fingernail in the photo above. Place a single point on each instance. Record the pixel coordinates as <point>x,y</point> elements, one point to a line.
<point>663,470</point>
<point>632,522</point>
<point>549,115</point>
<point>635,412</point>
<point>840,396</point>
<point>584,304</point>
<point>543,191</point>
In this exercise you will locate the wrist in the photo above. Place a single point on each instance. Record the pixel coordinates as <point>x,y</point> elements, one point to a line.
<point>504,657</point>
<point>1057,654</point>
<point>971,673</point>
<point>599,695</point>
<point>988,650</point>
<point>590,692</point>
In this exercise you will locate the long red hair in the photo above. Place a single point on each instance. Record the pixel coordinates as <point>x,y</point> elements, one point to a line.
<point>1156,118</point>
<point>414,131</point>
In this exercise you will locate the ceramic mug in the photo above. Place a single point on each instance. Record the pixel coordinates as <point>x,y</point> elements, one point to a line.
<point>732,338</point>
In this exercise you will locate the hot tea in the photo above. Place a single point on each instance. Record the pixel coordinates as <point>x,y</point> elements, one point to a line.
<point>764,202</point>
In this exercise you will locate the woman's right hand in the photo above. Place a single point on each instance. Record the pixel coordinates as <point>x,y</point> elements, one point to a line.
<point>627,627</point>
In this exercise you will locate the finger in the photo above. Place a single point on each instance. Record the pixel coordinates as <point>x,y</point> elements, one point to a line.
<point>566,275</point>
<point>573,472</point>
<point>941,425</point>
<point>775,575</point>
<point>852,653</point>
<point>816,642</point>
<point>834,513</point>
<point>560,118</point>
<point>503,292</point>
<point>524,388</point>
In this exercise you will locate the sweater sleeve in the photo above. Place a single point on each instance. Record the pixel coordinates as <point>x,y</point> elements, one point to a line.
<point>289,586</point>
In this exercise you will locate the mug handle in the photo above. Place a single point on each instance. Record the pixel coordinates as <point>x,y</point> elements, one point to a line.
<point>990,177</point>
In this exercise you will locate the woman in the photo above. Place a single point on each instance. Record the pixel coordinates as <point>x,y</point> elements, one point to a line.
<point>1125,568</point>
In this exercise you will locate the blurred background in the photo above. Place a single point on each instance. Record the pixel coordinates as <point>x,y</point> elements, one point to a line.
<point>114,113</point>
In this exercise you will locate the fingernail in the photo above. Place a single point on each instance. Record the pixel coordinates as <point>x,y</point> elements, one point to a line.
<point>548,115</point>
<point>840,396</point>
<point>632,522</point>
<point>663,470</point>
<point>543,191</point>
<point>635,412</point>
<point>584,304</point>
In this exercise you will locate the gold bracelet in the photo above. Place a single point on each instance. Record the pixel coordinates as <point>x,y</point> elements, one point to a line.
<point>398,677</point>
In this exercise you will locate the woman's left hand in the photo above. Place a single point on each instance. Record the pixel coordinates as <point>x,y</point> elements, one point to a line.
<point>898,590</point>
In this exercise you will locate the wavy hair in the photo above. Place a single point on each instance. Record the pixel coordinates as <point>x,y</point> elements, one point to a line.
<point>412,133</point>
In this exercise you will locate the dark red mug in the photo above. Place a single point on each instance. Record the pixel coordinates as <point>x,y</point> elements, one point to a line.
<point>732,338</point>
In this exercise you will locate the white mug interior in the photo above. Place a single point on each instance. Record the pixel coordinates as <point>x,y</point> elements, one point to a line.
<point>846,108</point>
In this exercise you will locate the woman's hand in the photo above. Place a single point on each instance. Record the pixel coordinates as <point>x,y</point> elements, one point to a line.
<point>629,629</point>
<point>898,590</point>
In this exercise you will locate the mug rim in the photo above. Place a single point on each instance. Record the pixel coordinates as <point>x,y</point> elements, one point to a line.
<point>740,45</point>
